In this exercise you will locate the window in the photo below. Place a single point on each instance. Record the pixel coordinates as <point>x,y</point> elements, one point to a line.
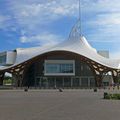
<point>81,67</point>
<point>59,67</point>
<point>52,68</point>
<point>3,59</point>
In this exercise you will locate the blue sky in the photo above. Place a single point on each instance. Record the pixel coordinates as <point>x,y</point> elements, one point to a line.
<point>27,23</point>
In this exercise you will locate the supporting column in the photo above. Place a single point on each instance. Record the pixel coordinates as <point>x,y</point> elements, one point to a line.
<point>17,80</point>
<point>55,83</point>
<point>63,82</point>
<point>39,82</point>
<point>1,78</point>
<point>98,79</point>
<point>80,83</point>
<point>88,81</point>
<point>115,76</point>
<point>71,82</point>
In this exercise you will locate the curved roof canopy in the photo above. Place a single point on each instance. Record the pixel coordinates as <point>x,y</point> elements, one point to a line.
<point>75,43</point>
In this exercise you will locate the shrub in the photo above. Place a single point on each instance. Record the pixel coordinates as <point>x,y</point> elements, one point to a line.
<point>112,96</point>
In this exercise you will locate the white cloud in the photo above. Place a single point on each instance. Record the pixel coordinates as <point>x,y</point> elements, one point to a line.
<point>115,55</point>
<point>101,18</point>
<point>4,21</point>
<point>106,19</point>
<point>42,12</point>
<point>24,39</point>
<point>106,26</point>
<point>31,17</point>
<point>96,6</point>
<point>42,39</point>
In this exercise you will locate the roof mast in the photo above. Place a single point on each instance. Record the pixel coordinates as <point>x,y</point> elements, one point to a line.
<point>80,18</point>
<point>76,32</point>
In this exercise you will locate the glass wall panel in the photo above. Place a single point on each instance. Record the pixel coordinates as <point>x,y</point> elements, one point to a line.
<point>67,82</point>
<point>44,83</point>
<point>60,67</point>
<point>51,82</point>
<point>84,82</point>
<point>2,59</point>
<point>75,82</point>
<point>66,68</point>
<point>59,82</point>
<point>92,82</point>
<point>37,82</point>
<point>52,68</point>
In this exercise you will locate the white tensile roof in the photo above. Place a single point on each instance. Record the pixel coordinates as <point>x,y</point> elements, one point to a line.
<point>76,44</point>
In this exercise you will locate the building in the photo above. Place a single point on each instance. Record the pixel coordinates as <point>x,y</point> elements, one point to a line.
<point>70,64</point>
<point>103,53</point>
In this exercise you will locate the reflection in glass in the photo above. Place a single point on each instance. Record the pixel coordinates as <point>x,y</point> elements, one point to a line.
<point>59,68</point>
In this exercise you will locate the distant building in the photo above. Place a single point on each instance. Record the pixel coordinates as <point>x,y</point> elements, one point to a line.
<point>103,53</point>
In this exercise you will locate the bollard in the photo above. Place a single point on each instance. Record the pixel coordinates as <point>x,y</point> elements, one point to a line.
<point>60,90</point>
<point>105,94</point>
<point>95,89</point>
<point>26,89</point>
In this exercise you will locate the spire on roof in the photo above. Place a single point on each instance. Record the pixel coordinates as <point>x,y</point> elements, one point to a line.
<point>76,32</point>
<point>80,18</point>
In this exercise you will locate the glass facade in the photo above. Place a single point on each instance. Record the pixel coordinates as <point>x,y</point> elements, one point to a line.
<point>59,68</point>
<point>3,59</point>
<point>65,82</point>
<point>84,82</point>
<point>76,82</point>
<point>53,73</point>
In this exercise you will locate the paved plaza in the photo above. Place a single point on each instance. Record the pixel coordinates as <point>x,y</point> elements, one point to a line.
<point>55,105</point>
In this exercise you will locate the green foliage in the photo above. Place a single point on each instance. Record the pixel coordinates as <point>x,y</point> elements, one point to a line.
<point>7,80</point>
<point>119,80</point>
<point>115,96</point>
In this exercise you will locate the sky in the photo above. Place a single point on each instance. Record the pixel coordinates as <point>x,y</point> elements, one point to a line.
<point>29,23</point>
